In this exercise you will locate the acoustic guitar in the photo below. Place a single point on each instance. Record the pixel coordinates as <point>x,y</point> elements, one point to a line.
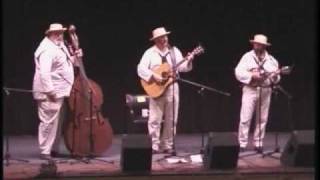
<point>268,75</point>
<point>155,88</point>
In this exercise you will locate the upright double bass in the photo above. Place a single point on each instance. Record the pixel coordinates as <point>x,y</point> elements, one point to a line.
<point>86,132</point>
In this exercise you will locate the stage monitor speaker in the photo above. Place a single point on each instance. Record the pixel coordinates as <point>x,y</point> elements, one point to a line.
<point>221,151</point>
<point>299,150</point>
<point>136,153</point>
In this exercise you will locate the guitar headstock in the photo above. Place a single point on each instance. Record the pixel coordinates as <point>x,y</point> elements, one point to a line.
<point>198,50</point>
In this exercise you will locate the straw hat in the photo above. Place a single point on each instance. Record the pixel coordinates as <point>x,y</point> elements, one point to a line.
<point>158,32</point>
<point>55,27</point>
<point>260,39</point>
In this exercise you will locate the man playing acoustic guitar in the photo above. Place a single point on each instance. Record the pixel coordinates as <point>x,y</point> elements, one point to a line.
<point>258,71</point>
<point>164,105</point>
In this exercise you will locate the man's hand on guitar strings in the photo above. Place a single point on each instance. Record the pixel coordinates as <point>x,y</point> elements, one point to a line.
<point>256,75</point>
<point>157,77</point>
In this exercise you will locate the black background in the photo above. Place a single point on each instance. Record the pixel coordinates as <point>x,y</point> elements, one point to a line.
<point>114,35</point>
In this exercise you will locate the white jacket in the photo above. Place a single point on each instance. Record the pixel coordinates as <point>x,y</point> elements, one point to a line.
<point>53,71</point>
<point>247,63</point>
<point>152,59</point>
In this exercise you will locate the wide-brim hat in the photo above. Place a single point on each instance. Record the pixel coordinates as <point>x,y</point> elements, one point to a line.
<point>158,32</point>
<point>55,27</point>
<point>260,39</point>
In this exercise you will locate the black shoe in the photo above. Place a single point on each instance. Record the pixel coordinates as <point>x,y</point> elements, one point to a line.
<point>259,149</point>
<point>56,154</point>
<point>156,151</point>
<point>45,157</point>
<point>242,149</point>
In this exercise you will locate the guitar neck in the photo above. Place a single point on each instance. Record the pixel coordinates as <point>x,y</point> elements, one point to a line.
<point>179,63</point>
<point>198,50</point>
<point>274,73</point>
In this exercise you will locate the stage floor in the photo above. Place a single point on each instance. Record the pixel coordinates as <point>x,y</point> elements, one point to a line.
<point>108,165</point>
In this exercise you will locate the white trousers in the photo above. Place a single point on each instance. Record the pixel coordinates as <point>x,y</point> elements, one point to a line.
<point>250,104</point>
<point>49,132</point>
<point>164,109</point>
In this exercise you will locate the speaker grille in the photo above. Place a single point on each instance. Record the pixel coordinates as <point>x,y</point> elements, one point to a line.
<point>299,150</point>
<point>136,153</point>
<point>221,151</point>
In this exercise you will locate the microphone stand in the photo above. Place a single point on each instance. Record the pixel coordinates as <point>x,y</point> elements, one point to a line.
<point>276,148</point>
<point>278,88</point>
<point>7,156</point>
<point>289,98</point>
<point>87,159</point>
<point>201,92</point>
<point>204,87</point>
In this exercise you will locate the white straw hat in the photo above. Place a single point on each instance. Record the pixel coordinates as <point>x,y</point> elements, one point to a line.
<point>158,32</point>
<point>55,27</point>
<point>260,39</point>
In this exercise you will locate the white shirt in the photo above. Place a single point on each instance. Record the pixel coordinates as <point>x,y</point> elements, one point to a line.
<point>247,63</point>
<point>151,59</point>
<point>53,70</point>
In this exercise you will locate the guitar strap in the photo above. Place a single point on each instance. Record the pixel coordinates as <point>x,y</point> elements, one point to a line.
<point>173,60</point>
<point>260,63</point>
<point>260,66</point>
<point>173,56</point>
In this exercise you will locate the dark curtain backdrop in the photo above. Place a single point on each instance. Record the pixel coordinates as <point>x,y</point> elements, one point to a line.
<point>114,35</point>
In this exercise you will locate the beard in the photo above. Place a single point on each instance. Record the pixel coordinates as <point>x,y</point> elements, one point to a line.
<point>58,41</point>
<point>259,51</point>
<point>164,43</point>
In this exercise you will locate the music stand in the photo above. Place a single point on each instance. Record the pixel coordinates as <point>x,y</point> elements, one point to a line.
<point>7,156</point>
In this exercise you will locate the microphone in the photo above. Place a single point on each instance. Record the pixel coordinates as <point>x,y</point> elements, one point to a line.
<point>200,91</point>
<point>6,91</point>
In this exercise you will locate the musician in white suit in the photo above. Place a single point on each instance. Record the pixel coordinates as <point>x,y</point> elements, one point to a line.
<point>52,82</point>
<point>256,92</point>
<point>164,108</point>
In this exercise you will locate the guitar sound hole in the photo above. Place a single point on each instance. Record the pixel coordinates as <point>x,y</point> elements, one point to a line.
<point>165,75</point>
